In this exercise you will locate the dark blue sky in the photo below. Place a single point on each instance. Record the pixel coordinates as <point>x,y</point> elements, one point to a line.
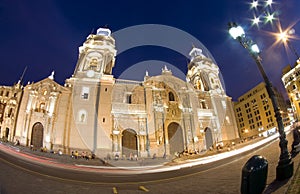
<point>45,36</point>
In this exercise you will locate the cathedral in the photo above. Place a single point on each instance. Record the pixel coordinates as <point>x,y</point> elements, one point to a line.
<point>95,112</point>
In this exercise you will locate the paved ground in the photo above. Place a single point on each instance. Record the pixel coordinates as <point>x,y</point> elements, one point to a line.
<point>291,186</point>
<point>294,186</point>
<point>158,161</point>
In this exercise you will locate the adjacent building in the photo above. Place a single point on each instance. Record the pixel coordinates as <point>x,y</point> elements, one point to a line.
<point>255,113</point>
<point>291,81</point>
<point>93,111</point>
<point>10,100</point>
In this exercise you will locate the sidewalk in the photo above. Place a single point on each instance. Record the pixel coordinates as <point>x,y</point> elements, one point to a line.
<point>294,186</point>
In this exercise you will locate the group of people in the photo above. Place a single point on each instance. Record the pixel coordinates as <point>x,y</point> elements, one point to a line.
<point>117,157</point>
<point>17,142</point>
<point>44,149</point>
<point>85,155</point>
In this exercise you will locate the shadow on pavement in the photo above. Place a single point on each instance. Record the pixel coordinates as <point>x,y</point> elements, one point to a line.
<point>274,186</point>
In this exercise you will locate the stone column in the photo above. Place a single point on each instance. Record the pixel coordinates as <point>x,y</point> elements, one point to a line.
<point>116,140</point>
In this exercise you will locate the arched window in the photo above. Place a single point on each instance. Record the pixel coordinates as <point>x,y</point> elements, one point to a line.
<point>9,112</point>
<point>129,98</point>
<point>203,104</point>
<point>201,84</point>
<point>42,107</point>
<point>171,96</point>
<point>85,93</point>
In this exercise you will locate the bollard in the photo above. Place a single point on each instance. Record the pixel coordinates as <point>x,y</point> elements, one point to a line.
<point>254,175</point>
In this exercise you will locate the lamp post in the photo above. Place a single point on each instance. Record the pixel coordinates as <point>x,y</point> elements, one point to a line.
<point>285,165</point>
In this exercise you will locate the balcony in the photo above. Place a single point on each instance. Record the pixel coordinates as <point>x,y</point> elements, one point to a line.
<point>122,108</point>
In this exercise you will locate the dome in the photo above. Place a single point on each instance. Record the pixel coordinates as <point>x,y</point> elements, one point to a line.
<point>104,31</point>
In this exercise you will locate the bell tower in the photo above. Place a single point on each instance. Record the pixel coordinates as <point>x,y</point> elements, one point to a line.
<point>202,73</point>
<point>92,84</point>
<point>96,55</point>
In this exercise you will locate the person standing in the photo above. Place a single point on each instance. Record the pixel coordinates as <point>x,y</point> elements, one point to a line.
<point>296,142</point>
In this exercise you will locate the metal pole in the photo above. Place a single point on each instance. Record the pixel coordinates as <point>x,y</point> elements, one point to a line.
<point>292,48</point>
<point>285,165</point>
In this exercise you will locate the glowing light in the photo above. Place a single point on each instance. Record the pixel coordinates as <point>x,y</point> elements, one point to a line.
<point>291,31</point>
<point>269,2</point>
<point>255,48</point>
<point>254,4</point>
<point>236,32</point>
<point>270,17</point>
<point>283,36</point>
<point>255,21</point>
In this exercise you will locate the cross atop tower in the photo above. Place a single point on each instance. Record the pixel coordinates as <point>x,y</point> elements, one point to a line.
<point>52,75</point>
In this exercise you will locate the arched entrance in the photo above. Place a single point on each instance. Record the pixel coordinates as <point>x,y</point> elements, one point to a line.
<point>129,142</point>
<point>175,137</point>
<point>6,132</point>
<point>37,135</point>
<point>208,138</point>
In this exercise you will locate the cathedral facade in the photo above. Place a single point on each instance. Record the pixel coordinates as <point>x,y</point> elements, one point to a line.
<point>95,112</point>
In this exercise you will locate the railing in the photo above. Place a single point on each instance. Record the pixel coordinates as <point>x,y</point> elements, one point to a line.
<point>124,81</point>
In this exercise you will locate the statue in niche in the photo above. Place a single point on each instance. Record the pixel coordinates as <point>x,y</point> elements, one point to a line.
<point>94,64</point>
<point>82,117</point>
<point>142,126</point>
<point>160,139</point>
<point>173,113</point>
<point>115,124</point>
<point>159,100</point>
<point>198,84</point>
<point>160,134</point>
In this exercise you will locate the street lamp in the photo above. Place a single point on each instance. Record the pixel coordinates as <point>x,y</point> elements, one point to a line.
<point>285,165</point>
<point>284,37</point>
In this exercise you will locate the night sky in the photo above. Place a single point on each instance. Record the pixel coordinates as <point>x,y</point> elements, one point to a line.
<point>45,36</point>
